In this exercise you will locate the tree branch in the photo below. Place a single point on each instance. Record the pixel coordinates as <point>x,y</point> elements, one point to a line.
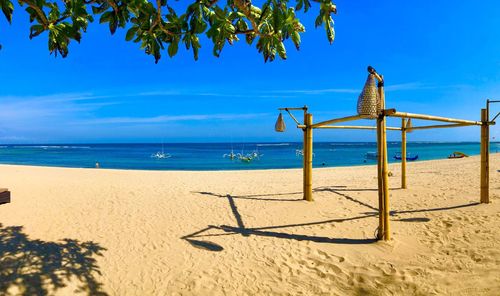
<point>38,11</point>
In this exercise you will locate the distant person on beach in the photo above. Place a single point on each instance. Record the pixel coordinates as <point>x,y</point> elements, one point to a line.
<point>97,165</point>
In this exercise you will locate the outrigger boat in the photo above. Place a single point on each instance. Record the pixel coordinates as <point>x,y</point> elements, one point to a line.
<point>230,155</point>
<point>161,154</point>
<point>245,158</point>
<point>256,154</point>
<point>409,157</point>
<point>457,154</point>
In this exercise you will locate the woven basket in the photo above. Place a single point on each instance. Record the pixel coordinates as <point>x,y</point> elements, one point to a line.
<point>369,100</point>
<point>280,124</point>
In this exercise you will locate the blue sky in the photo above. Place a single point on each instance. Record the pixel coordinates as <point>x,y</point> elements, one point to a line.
<point>438,57</point>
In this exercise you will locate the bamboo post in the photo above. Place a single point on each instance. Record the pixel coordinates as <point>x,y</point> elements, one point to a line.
<point>304,149</point>
<point>403,153</point>
<point>308,158</point>
<point>381,227</point>
<point>385,180</point>
<point>485,155</point>
<point>385,165</point>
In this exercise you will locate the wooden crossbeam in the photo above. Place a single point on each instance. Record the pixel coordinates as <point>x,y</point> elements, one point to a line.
<point>338,120</point>
<point>438,126</point>
<point>433,118</point>
<point>355,127</point>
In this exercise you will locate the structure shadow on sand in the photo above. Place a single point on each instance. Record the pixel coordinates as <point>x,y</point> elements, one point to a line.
<point>36,267</point>
<point>241,229</point>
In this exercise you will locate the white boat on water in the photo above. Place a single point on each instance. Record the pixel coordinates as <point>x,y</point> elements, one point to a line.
<point>245,158</point>
<point>256,154</point>
<point>161,154</point>
<point>231,155</point>
<point>300,152</point>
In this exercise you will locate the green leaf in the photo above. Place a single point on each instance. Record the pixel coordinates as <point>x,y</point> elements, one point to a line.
<point>281,50</point>
<point>173,48</point>
<point>7,9</point>
<point>131,33</point>
<point>268,22</point>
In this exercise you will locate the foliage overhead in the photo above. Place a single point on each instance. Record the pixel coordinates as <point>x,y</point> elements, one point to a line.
<point>157,25</point>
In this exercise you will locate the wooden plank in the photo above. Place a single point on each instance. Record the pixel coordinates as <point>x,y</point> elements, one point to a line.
<point>4,196</point>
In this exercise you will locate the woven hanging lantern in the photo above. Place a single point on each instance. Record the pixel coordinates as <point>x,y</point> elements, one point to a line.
<point>409,125</point>
<point>368,100</point>
<point>280,124</point>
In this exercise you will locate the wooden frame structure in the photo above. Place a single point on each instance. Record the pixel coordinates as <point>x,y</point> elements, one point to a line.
<point>382,158</point>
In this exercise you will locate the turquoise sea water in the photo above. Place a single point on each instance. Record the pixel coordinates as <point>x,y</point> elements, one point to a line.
<point>209,156</point>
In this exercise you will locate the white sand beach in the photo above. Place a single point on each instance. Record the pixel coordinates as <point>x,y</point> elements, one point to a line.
<point>248,232</point>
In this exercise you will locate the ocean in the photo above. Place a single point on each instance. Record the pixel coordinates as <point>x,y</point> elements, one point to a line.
<point>209,156</point>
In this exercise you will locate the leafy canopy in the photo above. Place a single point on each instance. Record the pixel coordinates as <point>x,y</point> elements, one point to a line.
<point>157,25</point>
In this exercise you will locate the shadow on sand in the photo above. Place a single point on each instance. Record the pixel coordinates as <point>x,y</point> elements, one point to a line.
<point>194,238</point>
<point>223,230</point>
<point>36,267</point>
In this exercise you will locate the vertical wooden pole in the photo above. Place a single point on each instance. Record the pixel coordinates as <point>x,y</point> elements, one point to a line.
<point>385,165</point>
<point>309,157</point>
<point>381,212</point>
<point>403,153</point>
<point>485,157</point>
<point>304,149</point>
<point>385,180</point>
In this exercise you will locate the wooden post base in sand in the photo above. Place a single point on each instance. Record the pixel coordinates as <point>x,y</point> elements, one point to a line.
<point>308,157</point>
<point>485,157</point>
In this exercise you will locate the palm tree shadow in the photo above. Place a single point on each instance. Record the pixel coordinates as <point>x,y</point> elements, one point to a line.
<point>36,267</point>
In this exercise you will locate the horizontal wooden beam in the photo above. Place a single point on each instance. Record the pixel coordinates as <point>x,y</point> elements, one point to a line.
<point>388,112</point>
<point>337,120</point>
<point>356,127</point>
<point>293,108</point>
<point>433,118</point>
<point>437,126</point>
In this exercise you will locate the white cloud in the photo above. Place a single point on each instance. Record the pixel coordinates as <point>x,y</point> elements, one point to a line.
<point>170,118</point>
<point>388,88</point>
<point>318,91</point>
<point>30,109</point>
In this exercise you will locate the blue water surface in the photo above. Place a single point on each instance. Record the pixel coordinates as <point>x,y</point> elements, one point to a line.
<point>209,156</point>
